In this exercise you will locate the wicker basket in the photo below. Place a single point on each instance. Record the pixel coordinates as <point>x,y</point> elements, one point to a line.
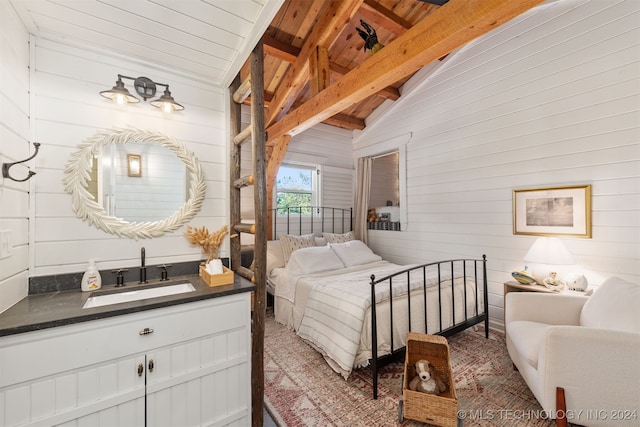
<point>428,408</point>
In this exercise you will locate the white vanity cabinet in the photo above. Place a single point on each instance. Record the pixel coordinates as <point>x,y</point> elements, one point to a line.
<point>185,365</point>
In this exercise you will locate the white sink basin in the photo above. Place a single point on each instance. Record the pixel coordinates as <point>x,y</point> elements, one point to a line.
<point>138,294</point>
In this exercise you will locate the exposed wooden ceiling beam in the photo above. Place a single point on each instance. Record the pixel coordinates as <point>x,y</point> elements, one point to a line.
<point>377,15</point>
<point>280,50</point>
<point>388,92</point>
<point>334,18</point>
<point>449,27</point>
<point>286,52</point>
<point>340,120</point>
<point>345,122</point>
<point>319,74</point>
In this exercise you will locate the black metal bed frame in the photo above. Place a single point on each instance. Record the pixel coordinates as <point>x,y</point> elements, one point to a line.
<point>334,219</point>
<point>458,326</point>
<point>340,220</point>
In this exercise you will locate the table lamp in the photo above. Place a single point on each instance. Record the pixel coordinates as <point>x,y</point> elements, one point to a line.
<point>549,251</point>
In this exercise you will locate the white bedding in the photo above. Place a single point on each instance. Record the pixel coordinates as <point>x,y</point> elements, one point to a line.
<point>331,309</point>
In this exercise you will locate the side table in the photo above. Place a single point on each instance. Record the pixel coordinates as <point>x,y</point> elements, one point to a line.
<point>513,286</point>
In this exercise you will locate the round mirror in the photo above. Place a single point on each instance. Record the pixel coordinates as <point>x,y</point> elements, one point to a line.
<point>119,178</point>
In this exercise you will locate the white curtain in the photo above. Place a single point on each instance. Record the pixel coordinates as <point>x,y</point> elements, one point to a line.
<point>362,198</point>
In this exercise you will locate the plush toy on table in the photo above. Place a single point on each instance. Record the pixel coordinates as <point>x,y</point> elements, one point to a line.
<point>427,379</point>
<point>371,215</point>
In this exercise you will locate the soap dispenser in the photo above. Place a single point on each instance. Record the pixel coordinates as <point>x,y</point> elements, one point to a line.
<point>91,279</point>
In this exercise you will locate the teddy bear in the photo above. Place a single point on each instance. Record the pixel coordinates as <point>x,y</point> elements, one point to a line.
<point>371,215</point>
<point>427,379</point>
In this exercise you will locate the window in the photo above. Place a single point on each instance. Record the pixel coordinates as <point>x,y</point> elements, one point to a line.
<point>385,181</point>
<point>394,153</point>
<point>296,189</point>
<point>384,194</point>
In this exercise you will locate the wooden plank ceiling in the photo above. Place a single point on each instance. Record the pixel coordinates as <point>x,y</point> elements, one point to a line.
<point>301,25</point>
<point>316,70</point>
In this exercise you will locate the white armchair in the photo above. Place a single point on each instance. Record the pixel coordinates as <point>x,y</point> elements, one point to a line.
<point>584,349</point>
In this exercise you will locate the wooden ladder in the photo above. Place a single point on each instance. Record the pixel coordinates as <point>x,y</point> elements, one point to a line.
<point>255,133</point>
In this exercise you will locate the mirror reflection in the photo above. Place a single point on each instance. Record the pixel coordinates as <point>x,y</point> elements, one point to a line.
<point>139,182</point>
<point>134,183</point>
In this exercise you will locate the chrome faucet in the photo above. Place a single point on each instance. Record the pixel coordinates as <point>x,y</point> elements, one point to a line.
<point>143,268</point>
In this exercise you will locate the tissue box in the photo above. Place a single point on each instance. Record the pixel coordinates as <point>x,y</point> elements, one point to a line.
<point>225,278</point>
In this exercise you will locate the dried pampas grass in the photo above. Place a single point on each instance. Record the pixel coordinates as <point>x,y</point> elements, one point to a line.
<point>209,242</point>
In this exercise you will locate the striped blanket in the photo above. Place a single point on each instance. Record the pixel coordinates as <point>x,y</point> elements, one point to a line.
<point>337,313</point>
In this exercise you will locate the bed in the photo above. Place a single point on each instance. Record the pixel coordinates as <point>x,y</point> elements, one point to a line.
<point>323,285</point>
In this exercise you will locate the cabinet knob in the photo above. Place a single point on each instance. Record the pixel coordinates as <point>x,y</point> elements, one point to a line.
<point>140,369</point>
<point>146,331</point>
<point>151,365</point>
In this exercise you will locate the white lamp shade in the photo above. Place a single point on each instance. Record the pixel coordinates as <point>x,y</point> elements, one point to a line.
<point>549,250</point>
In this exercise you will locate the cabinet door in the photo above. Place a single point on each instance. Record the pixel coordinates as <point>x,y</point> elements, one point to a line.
<point>87,374</point>
<point>103,395</point>
<point>203,381</point>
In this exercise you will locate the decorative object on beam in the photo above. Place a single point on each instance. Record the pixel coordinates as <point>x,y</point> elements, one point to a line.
<point>370,38</point>
<point>438,2</point>
<point>146,88</point>
<point>7,166</point>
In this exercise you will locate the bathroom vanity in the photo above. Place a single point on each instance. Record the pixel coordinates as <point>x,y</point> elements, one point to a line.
<point>173,360</point>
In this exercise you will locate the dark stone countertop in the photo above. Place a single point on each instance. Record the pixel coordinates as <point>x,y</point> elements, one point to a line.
<point>48,310</point>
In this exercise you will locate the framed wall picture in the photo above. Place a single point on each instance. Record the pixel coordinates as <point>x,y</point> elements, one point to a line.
<point>134,165</point>
<point>553,211</point>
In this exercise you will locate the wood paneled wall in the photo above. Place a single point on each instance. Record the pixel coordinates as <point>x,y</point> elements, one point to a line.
<point>68,109</point>
<point>551,98</point>
<point>15,145</point>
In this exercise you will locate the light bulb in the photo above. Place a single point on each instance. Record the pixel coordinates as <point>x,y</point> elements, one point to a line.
<point>120,99</point>
<point>167,107</point>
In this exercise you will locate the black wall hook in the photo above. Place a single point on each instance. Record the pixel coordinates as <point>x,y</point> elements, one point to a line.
<point>6,166</point>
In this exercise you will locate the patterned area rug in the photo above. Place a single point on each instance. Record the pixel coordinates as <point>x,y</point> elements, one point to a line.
<point>301,389</point>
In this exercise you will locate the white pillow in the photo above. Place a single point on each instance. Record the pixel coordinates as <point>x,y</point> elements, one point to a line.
<point>275,259</point>
<point>338,238</point>
<point>292,243</point>
<point>313,260</point>
<point>354,252</point>
<point>614,305</point>
<point>320,241</point>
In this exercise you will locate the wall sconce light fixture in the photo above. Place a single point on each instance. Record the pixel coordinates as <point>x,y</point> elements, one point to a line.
<point>134,164</point>
<point>146,88</point>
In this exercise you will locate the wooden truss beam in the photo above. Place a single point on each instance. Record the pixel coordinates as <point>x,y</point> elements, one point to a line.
<point>333,19</point>
<point>449,27</point>
<point>339,120</point>
<point>345,122</point>
<point>280,50</point>
<point>288,53</point>
<point>276,157</point>
<point>379,16</point>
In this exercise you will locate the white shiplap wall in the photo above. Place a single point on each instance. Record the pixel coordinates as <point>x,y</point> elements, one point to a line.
<point>337,187</point>
<point>159,191</point>
<point>15,145</point>
<point>550,98</point>
<point>68,109</point>
<point>326,146</point>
